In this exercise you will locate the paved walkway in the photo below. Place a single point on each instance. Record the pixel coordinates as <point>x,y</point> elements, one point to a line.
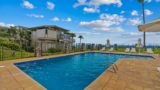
<point>12,78</point>
<point>132,75</point>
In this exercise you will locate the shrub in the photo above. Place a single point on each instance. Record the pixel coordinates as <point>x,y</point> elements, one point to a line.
<point>156,50</point>
<point>120,49</point>
<point>9,44</point>
<point>54,50</point>
<point>77,50</point>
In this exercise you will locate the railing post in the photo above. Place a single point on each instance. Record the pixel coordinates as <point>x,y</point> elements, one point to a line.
<point>2,53</point>
<point>21,52</point>
<point>116,66</point>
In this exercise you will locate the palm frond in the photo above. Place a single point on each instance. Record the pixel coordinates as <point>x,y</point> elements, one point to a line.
<point>141,1</point>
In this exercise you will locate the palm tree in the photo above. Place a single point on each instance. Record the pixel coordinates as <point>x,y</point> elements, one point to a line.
<point>13,34</point>
<point>3,32</point>
<point>143,12</point>
<point>72,35</point>
<point>24,38</point>
<point>80,37</point>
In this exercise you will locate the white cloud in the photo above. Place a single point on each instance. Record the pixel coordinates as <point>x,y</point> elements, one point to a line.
<point>28,5</point>
<point>122,12</point>
<point>135,21</point>
<point>135,34</point>
<point>148,1</point>
<point>55,19</point>
<point>102,25</point>
<point>115,29</point>
<point>157,0</point>
<point>132,38</point>
<point>97,3</point>
<point>113,18</point>
<point>35,15</point>
<point>148,12</point>
<point>88,33</point>
<point>134,13</point>
<point>6,25</point>
<point>91,10</point>
<point>50,5</point>
<point>96,24</point>
<point>105,23</point>
<point>68,19</point>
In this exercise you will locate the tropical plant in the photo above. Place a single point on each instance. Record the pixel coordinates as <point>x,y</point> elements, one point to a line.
<point>80,38</point>
<point>23,38</point>
<point>143,13</point>
<point>54,50</point>
<point>20,36</point>
<point>72,36</point>
<point>3,32</point>
<point>7,43</point>
<point>12,31</point>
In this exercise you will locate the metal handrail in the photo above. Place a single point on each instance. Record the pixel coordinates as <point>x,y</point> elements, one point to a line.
<point>114,67</point>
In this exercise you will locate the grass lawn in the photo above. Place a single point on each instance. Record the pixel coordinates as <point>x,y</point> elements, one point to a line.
<point>141,50</point>
<point>9,54</point>
<point>118,49</point>
<point>156,50</point>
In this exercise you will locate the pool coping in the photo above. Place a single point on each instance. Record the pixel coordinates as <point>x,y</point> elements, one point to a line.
<point>14,70</point>
<point>12,64</point>
<point>96,83</point>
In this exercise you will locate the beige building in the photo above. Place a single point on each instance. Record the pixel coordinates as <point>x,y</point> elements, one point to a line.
<point>45,37</point>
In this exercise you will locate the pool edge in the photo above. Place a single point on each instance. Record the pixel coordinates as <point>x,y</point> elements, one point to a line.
<point>33,59</point>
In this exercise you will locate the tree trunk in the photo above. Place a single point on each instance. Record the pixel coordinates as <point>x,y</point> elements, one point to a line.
<point>80,43</point>
<point>144,33</point>
<point>72,44</point>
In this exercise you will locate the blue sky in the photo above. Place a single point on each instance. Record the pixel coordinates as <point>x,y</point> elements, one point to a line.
<point>96,20</point>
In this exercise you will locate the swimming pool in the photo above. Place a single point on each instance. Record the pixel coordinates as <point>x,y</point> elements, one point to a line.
<point>72,72</point>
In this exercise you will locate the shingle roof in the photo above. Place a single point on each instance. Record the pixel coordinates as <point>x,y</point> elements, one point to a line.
<point>51,27</point>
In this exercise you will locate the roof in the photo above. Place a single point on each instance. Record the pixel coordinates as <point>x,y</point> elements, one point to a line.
<point>153,26</point>
<point>23,27</point>
<point>51,27</point>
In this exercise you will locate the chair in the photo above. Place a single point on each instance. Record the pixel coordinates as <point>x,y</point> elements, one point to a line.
<point>133,50</point>
<point>127,50</point>
<point>111,49</point>
<point>103,49</point>
<point>150,51</point>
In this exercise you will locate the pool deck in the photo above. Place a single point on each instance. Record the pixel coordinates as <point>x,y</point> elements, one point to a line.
<point>131,75</point>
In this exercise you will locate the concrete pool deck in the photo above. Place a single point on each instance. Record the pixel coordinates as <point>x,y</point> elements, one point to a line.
<point>12,78</point>
<point>132,75</point>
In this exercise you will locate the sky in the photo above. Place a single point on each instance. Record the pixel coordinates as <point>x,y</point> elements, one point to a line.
<point>96,20</point>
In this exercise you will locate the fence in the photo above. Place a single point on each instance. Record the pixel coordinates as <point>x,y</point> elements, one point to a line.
<point>8,54</point>
<point>11,54</point>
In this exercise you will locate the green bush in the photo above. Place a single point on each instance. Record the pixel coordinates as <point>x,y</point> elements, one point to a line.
<point>156,50</point>
<point>9,44</point>
<point>54,50</point>
<point>120,49</point>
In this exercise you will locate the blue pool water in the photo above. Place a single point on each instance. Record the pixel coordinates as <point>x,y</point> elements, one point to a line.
<point>73,72</point>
